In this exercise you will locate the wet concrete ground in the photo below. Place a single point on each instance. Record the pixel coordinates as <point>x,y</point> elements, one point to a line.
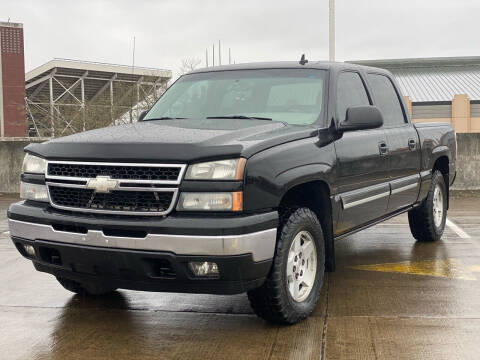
<point>389,299</point>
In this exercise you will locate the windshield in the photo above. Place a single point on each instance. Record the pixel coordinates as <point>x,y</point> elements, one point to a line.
<point>294,96</point>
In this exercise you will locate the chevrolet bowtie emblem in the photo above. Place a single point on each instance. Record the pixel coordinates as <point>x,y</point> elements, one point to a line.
<point>102,184</point>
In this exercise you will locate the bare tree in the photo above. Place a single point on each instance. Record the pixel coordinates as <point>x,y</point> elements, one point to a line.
<point>189,64</point>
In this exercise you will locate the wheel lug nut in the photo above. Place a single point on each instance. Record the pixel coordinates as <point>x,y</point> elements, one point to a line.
<point>300,255</point>
<point>301,272</point>
<point>303,262</point>
<point>296,258</point>
<point>296,276</point>
<point>294,268</point>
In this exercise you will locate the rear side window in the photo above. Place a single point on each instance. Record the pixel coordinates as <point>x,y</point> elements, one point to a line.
<point>386,99</point>
<point>350,92</point>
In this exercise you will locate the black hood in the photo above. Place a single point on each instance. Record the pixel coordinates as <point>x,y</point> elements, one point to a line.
<point>186,140</point>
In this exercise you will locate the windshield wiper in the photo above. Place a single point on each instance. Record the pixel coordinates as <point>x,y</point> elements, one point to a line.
<point>166,118</point>
<point>239,117</point>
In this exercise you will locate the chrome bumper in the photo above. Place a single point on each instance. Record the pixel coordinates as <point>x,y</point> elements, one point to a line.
<point>260,244</point>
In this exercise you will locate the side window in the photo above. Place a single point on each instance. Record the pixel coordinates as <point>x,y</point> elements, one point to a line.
<point>386,98</point>
<point>350,92</point>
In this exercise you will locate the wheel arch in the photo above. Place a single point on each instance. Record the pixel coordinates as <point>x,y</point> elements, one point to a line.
<point>314,194</point>
<point>442,164</point>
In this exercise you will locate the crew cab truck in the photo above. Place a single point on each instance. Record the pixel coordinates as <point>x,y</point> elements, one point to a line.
<point>239,179</point>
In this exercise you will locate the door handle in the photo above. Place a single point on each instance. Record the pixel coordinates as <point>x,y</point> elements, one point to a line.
<point>412,144</point>
<point>382,146</point>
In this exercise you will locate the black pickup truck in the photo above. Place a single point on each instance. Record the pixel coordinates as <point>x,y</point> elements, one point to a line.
<point>239,179</point>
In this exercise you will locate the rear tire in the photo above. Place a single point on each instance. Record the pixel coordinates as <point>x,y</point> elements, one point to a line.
<point>427,221</point>
<point>293,286</point>
<point>94,289</point>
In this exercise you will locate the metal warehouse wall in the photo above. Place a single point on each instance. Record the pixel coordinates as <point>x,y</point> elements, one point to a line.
<point>427,111</point>
<point>462,113</point>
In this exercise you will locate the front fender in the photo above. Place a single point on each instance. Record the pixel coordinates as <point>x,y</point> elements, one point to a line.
<point>271,173</point>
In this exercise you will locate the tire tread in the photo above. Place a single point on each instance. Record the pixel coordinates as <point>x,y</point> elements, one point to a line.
<point>420,219</point>
<point>268,301</point>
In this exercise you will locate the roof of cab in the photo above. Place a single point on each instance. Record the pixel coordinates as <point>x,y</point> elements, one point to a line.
<point>325,65</point>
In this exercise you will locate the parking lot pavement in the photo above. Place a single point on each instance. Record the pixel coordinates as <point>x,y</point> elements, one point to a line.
<point>390,298</point>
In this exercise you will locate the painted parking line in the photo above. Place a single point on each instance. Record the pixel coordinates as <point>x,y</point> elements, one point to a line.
<point>457,230</point>
<point>442,268</point>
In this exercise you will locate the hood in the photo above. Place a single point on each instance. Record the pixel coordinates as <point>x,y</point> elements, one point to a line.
<point>186,140</point>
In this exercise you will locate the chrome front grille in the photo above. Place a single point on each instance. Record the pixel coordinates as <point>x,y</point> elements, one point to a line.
<point>114,188</point>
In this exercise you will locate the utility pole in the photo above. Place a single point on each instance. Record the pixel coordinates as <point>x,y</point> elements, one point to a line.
<point>331,30</point>
<point>229,56</point>
<point>213,55</point>
<point>206,57</point>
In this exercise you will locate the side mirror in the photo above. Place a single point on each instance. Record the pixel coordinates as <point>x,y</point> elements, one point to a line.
<point>142,115</point>
<point>361,118</point>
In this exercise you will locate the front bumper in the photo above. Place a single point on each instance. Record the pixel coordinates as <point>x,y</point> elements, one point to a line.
<point>137,254</point>
<point>260,244</point>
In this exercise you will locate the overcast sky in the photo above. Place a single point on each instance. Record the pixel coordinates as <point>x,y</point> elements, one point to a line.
<point>168,31</point>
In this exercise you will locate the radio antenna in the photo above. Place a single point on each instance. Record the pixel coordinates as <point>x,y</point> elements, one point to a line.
<point>303,61</point>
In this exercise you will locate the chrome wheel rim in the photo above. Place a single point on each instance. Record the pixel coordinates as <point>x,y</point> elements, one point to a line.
<point>301,266</point>
<point>438,206</point>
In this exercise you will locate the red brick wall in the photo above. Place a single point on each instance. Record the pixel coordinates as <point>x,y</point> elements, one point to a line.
<point>13,78</point>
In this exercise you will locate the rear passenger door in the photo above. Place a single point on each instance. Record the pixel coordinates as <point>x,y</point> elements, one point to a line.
<point>402,142</point>
<point>362,166</point>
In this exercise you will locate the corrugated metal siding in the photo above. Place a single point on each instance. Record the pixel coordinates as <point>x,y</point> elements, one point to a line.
<point>474,110</point>
<point>431,111</point>
<point>441,83</point>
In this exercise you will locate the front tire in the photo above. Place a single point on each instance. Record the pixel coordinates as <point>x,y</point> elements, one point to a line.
<point>293,286</point>
<point>427,221</point>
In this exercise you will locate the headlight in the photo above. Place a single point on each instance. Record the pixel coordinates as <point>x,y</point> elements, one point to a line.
<point>35,192</point>
<point>33,164</point>
<point>217,170</point>
<point>222,201</point>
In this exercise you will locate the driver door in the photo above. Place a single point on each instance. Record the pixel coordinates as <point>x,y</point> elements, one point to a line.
<point>363,187</point>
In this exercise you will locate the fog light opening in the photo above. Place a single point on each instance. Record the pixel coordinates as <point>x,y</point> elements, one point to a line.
<point>29,250</point>
<point>204,268</point>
